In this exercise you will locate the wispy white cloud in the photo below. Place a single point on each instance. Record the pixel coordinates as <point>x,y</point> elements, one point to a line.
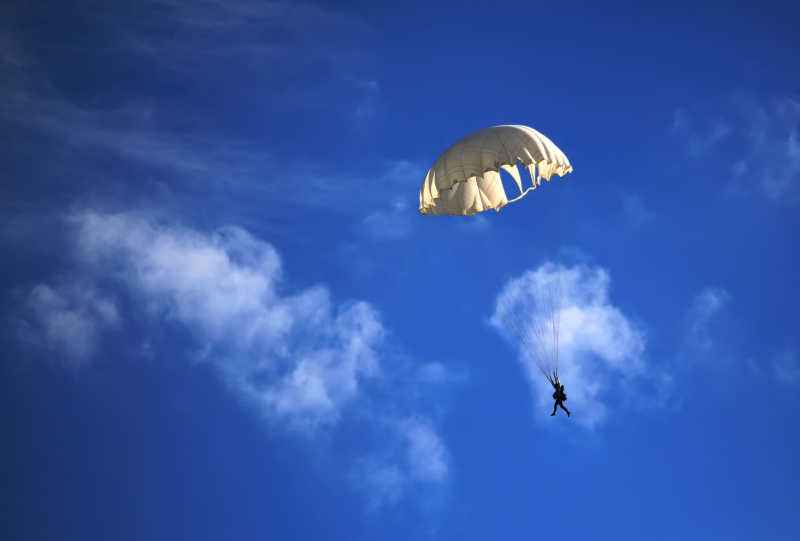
<point>12,55</point>
<point>596,340</point>
<point>706,308</point>
<point>412,453</point>
<point>756,146</point>
<point>433,373</point>
<point>67,320</point>
<point>390,212</point>
<point>636,213</point>
<point>786,367</point>
<point>479,223</point>
<point>269,42</point>
<point>699,142</point>
<point>427,455</point>
<point>366,108</point>
<point>383,481</point>
<point>298,358</point>
<point>236,169</point>
<point>772,131</point>
<point>133,133</point>
<point>394,223</point>
<point>198,161</point>
<point>183,35</point>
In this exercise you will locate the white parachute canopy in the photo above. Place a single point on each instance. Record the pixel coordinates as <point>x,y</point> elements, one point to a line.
<point>465,179</point>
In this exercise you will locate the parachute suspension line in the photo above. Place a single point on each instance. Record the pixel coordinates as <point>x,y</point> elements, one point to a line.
<point>548,376</point>
<point>520,196</point>
<point>535,344</point>
<point>541,353</point>
<point>533,182</point>
<point>551,304</point>
<point>557,319</point>
<point>526,190</point>
<point>540,330</point>
<point>545,353</point>
<point>554,330</point>
<point>558,328</point>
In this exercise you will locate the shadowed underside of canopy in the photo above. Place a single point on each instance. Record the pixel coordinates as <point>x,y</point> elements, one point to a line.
<point>465,179</point>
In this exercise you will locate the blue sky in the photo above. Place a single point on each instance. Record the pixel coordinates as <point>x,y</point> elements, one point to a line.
<point>224,317</point>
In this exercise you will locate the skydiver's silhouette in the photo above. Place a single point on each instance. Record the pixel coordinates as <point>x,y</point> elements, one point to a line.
<point>560,397</point>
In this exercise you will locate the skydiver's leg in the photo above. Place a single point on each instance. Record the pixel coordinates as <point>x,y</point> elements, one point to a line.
<point>565,409</point>
<point>554,409</point>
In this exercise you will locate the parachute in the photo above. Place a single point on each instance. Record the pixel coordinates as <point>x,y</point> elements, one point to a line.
<point>465,179</point>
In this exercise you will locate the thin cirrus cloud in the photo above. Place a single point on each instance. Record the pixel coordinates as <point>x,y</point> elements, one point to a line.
<point>269,41</point>
<point>786,367</point>
<point>706,309</point>
<point>635,212</point>
<point>413,455</point>
<point>597,341</point>
<point>300,360</point>
<point>166,142</point>
<point>387,224</point>
<point>709,341</point>
<point>67,320</point>
<point>773,136</point>
<point>132,133</point>
<point>753,144</point>
<point>240,30</point>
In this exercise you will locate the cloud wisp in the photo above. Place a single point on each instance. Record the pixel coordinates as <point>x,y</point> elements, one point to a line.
<point>757,146</point>
<point>596,339</point>
<point>705,310</point>
<point>413,454</point>
<point>394,223</point>
<point>698,143</point>
<point>635,212</point>
<point>240,31</point>
<point>786,367</point>
<point>67,320</point>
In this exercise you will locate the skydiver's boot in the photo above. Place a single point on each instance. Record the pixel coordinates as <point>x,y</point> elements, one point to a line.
<point>554,411</point>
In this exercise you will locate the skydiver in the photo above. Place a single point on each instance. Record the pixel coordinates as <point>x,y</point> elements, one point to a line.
<point>559,396</point>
